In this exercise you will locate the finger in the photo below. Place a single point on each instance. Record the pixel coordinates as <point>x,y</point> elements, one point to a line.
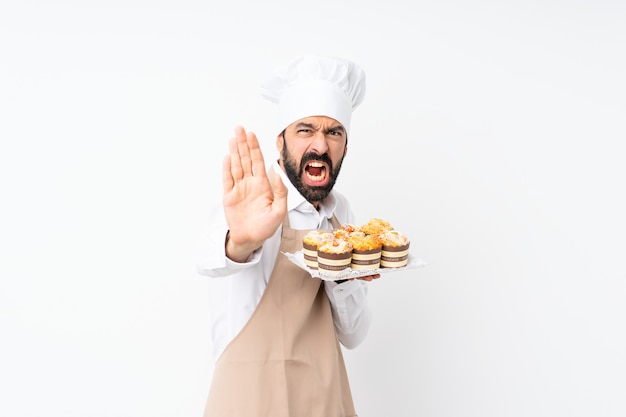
<point>370,277</point>
<point>228,181</point>
<point>244,151</point>
<point>256,156</point>
<point>235,161</point>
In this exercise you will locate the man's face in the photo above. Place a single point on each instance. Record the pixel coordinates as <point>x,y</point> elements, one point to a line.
<point>312,150</point>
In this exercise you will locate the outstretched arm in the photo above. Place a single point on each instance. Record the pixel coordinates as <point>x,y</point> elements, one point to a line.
<point>253,210</point>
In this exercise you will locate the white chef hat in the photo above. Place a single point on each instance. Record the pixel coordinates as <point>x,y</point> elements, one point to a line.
<point>313,85</point>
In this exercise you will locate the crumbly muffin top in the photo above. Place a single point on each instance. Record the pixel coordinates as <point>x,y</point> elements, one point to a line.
<point>335,245</point>
<point>394,238</point>
<point>348,227</point>
<point>376,226</point>
<point>315,237</point>
<point>345,230</point>
<point>361,241</point>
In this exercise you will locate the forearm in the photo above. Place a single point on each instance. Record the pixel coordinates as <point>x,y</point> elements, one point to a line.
<point>212,258</point>
<point>351,313</point>
<point>239,252</point>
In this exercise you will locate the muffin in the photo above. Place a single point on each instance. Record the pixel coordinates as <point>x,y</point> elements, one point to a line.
<point>366,251</point>
<point>334,255</point>
<point>344,231</point>
<point>376,226</point>
<point>310,243</point>
<point>395,250</point>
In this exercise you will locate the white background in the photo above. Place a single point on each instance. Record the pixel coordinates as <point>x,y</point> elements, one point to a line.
<point>492,133</point>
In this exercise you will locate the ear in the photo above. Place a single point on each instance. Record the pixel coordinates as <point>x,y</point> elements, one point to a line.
<point>280,142</point>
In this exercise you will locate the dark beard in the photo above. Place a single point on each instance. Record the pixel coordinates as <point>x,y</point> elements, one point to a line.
<point>312,194</point>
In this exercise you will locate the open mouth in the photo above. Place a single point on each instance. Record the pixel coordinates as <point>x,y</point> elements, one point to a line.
<point>316,173</point>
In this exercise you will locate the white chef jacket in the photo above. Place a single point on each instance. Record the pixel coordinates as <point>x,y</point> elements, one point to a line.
<point>236,288</point>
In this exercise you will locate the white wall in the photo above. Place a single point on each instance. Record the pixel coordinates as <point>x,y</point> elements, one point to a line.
<point>501,128</point>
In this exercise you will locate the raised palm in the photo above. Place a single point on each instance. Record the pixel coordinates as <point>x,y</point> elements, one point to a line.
<point>252,208</point>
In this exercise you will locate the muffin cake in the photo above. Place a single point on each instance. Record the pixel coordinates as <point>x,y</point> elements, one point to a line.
<point>334,255</point>
<point>366,251</point>
<point>373,245</point>
<point>376,226</point>
<point>395,250</point>
<point>310,243</point>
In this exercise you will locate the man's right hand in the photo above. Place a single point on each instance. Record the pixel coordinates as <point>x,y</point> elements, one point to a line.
<point>253,211</point>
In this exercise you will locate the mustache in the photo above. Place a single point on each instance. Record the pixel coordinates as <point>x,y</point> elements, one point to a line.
<point>312,156</point>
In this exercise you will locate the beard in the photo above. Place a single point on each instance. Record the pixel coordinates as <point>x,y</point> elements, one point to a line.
<point>294,173</point>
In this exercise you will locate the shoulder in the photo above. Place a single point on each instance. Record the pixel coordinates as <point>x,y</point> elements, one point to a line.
<point>343,209</point>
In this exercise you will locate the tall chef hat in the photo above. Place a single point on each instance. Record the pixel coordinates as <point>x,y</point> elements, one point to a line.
<point>313,85</point>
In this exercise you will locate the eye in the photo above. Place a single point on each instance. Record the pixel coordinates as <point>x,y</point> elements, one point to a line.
<point>335,134</point>
<point>305,132</point>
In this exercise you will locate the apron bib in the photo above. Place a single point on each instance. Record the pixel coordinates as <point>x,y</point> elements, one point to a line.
<point>286,361</point>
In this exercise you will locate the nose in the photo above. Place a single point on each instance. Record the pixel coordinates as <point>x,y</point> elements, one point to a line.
<point>319,143</point>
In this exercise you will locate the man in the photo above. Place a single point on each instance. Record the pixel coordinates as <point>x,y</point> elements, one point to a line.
<point>276,330</point>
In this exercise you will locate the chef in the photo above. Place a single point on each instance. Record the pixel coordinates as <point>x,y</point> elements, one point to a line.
<point>276,331</point>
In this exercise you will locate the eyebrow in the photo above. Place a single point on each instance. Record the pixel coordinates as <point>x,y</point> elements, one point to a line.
<point>338,127</point>
<point>302,124</point>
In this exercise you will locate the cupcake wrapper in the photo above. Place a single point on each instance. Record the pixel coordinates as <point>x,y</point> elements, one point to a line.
<point>361,267</point>
<point>308,247</point>
<point>334,256</point>
<point>393,264</point>
<point>394,256</point>
<point>366,259</point>
<point>333,262</point>
<point>332,268</point>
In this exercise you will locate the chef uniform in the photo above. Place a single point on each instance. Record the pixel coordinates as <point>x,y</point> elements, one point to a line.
<point>286,360</point>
